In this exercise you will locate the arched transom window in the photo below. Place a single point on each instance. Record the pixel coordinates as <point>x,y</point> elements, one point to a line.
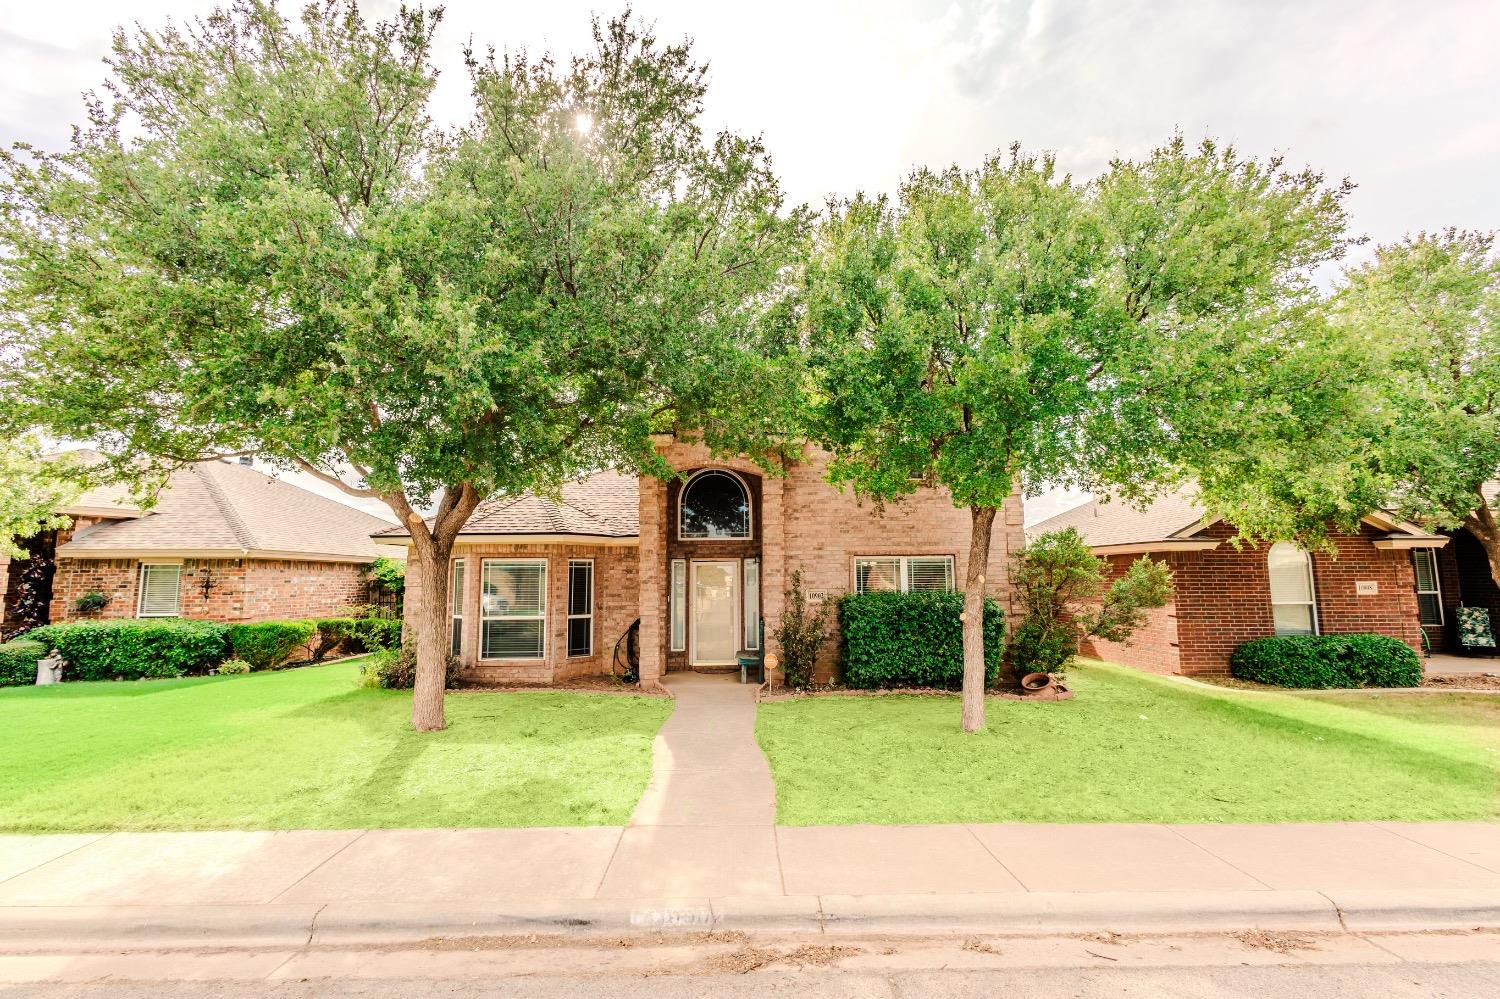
<point>1293,604</point>
<point>715,504</point>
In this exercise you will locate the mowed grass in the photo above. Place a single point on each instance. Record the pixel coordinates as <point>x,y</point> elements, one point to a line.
<point>1136,748</point>
<point>309,749</point>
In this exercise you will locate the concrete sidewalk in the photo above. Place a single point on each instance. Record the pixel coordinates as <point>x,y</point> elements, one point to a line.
<point>272,887</point>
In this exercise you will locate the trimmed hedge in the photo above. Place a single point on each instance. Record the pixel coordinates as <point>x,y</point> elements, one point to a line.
<point>396,669</point>
<point>912,639</point>
<point>1322,661</point>
<point>375,634</point>
<point>18,662</point>
<point>333,634</point>
<point>131,649</point>
<point>266,644</point>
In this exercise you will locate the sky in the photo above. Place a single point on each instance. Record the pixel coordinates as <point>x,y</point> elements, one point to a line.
<point>1397,95</point>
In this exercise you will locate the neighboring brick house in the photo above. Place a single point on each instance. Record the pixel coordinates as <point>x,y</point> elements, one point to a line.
<point>1226,595</point>
<point>545,588</point>
<point>223,542</point>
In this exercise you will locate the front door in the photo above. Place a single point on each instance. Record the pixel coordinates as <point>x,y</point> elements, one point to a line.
<point>715,603</point>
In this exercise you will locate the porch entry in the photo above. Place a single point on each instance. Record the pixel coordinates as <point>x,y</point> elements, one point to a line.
<point>714,635</point>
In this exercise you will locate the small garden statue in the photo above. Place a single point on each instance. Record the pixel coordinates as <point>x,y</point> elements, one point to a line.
<point>49,669</point>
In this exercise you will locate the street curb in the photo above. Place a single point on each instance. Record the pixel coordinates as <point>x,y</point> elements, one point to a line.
<point>28,928</point>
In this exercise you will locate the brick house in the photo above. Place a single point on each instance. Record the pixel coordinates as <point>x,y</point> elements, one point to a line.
<point>224,542</point>
<point>1388,579</point>
<point>542,588</point>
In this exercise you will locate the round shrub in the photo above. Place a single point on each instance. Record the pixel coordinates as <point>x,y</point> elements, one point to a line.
<point>132,649</point>
<point>396,669</point>
<point>1310,662</point>
<point>334,633</point>
<point>912,639</point>
<point>265,644</point>
<point>374,634</point>
<point>18,662</point>
<point>232,667</point>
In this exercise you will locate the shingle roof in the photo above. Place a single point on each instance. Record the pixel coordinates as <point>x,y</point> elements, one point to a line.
<point>107,500</point>
<point>605,504</point>
<point>230,509</point>
<point>1171,520</point>
<point>1117,523</point>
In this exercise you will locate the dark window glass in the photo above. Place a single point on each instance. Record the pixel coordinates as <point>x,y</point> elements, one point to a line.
<point>579,640</point>
<point>715,505</point>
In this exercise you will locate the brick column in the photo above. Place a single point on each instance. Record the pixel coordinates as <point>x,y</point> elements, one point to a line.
<point>653,579</point>
<point>468,651</point>
<point>773,551</point>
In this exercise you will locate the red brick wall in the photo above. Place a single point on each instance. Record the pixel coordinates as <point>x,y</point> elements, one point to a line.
<point>1224,596</point>
<point>1154,647</point>
<point>237,589</point>
<point>809,525</point>
<point>616,596</point>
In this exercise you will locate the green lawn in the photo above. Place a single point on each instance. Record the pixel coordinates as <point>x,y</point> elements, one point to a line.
<point>1133,747</point>
<point>308,748</point>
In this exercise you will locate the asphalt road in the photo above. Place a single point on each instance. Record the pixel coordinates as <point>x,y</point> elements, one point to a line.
<point>1427,981</point>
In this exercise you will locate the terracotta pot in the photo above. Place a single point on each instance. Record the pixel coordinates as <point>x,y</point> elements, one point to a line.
<point>1036,683</point>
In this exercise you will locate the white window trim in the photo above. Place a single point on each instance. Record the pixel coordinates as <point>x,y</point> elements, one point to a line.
<point>456,603</point>
<point>140,597</point>
<point>514,617</point>
<point>677,584</point>
<point>750,615</point>
<point>567,633</point>
<point>1312,590</point>
<point>749,504</point>
<point>1437,587</point>
<point>903,572</point>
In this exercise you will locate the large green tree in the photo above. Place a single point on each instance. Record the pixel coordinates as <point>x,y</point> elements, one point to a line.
<point>33,489</point>
<point>1425,312</point>
<point>259,242</point>
<point>1009,326</point>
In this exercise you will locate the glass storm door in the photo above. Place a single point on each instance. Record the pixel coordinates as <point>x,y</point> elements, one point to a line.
<point>715,613</point>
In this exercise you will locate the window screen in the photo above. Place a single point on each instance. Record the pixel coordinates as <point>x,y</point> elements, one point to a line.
<point>678,600</point>
<point>161,591</point>
<point>513,609</point>
<point>1292,604</point>
<point>456,604</point>
<point>751,616</point>
<point>1429,594</point>
<point>903,574</point>
<point>581,607</point>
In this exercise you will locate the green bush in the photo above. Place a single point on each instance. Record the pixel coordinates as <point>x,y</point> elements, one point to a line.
<point>267,644</point>
<point>232,667</point>
<point>1323,661</point>
<point>334,633</point>
<point>375,634</point>
<point>912,639</point>
<point>396,669</point>
<point>18,662</point>
<point>131,649</point>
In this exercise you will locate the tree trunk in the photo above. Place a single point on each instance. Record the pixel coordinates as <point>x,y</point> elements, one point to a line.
<point>1482,524</point>
<point>974,581</point>
<point>431,620</point>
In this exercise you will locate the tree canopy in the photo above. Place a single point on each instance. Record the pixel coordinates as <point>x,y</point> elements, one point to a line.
<point>260,242</point>
<point>1009,326</point>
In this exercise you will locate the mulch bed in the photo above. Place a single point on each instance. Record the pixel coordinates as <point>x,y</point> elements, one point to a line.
<point>1463,681</point>
<point>584,684</point>
<point>831,690</point>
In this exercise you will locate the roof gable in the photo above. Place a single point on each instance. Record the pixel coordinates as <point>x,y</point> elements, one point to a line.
<point>222,508</point>
<point>604,505</point>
